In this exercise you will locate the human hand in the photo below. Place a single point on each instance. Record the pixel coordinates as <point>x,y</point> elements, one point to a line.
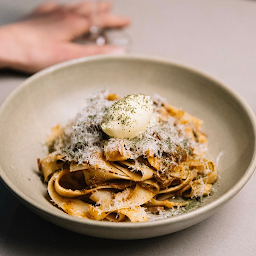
<point>45,37</point>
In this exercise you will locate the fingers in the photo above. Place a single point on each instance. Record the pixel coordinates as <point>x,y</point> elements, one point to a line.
<point>46,8</point>
<point>88,7</point>
<point>71,26</point>
<point>82,8</point>
<point>78,25</point>
<point>113,21</point>
<point>70,21</point>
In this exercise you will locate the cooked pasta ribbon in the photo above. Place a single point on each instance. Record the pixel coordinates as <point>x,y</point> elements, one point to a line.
<point>93,176</point>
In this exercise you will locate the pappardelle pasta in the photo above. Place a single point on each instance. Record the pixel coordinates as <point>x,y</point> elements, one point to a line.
<point>124,159</point>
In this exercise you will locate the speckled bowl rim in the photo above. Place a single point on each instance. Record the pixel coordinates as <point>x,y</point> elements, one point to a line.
<point>161,222</point>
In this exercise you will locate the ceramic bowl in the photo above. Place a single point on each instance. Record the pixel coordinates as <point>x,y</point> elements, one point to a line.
<point>56,94</point>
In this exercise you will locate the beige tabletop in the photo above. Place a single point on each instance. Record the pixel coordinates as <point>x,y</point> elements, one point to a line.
<point>217,37</point>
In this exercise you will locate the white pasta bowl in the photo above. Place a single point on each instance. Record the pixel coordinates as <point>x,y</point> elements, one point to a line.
<point>56,94</point>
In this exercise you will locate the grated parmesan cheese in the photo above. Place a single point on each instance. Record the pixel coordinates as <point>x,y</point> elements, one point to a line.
<point>86,140</point>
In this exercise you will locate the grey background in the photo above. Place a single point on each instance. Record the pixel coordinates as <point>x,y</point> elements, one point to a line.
<point>217,37</point>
